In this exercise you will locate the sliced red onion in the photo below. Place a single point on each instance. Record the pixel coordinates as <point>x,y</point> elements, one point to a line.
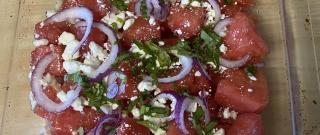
<point>113,119</point>
<point>202,70</point>
<point>221,27</point>
<point>186,63</point>
<point>72,14</point>
<point>173,97</point>
<point>113,87</point>
<point>216,8</point>
<point>101,76</point>
<point>137,8</point>
<point>234,63</point>
<point>156,8</point>
<point>181,107</point>
<point>37,90</point>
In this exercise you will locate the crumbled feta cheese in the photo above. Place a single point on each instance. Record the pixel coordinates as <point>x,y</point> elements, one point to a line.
<point>146,86</point>
<point>77,105</point>
<point>87,70</point>
<point>184,2</point>
<point>223,49</point>
<point>136,113</point>
<point>98,51</point>
<point>129,14</point>
<point>229,114</point>
<point>33,101</point>
<point>91,61</point>
<point>128,23</point>
<point>65,38</point>
<point>135,49</point>
<point>218,131</point>
<point>161,43</point>
<point>40,42</point>
<point>152,21</point>
<point>133,98</point>
<point>71,66</point>
<point>50,13</point>
<point>154,120</point>
<point>253,78</point>
<point>158,104</point>
<point>192,107</point>
<point>157,91</point>
<point>178,31</point>
<point>159,131</point>
<point>222,69</point>
<point>71,46</point>
<point>195,4</point>
<point>106,109</point>
<point>250,90</point>
<point>113,18</point>
<point>46,80</point>
<point>210,16</point>
<point>223,16</point>
<point>197,73</point>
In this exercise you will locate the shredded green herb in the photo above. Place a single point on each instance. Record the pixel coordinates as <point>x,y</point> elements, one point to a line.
<point>251,70</point>
<point>144,9</point>
<point>119,4</point>
<point>228,2</point>
<point>94,92</point>
<point>148,124</point>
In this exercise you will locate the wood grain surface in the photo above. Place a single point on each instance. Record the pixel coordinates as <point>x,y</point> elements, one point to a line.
<point>19,16</point>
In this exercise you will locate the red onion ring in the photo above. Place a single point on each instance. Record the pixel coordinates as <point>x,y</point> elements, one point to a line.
<point>137,8</point>
<point>173,97</point>
<point>216,8</point>
<point>104,69</point>
<point>221,25</point>
<point>113,119</point>
<point>74,13</point>
<point>181,107</point>
<point>202,70</point>
<point>37,91</point>
<point>234,63</point>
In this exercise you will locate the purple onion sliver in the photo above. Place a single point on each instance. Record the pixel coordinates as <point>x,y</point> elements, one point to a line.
<point>216,8</point>
<point>74,13</point>
<point>122,88</point>
<point>112,119</point>
<point>201,68</point>
<point>37,90</point>
<point>101,76</point>
<point>181,107</point>
<point>234,63</point>
<point>112,90</point>
<point>221,26</point>
<point>137,8</point>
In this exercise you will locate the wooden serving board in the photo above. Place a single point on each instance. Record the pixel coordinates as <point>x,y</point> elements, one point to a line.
<point>17,19</point>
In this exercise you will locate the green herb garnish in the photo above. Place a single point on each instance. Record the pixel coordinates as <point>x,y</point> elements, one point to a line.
<point>119,4</point>
<point>228,2</point>
<point>148,124</point>
<point>251,70</point>
<point>144,9</point>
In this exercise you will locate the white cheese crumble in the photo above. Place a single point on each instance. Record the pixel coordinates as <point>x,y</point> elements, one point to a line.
<point>253,78</point>
<point>50,13</point>
<point>229,114</point>
<point>91,61</point>
<point>98,51</point>
<point>67,54</point>
<point>77,105</point>
<point>210,15</point>
<point>192,107</point>
<point>40,42</point>
<point>178,31</point>
<point>219,131</point>
<point>106,109</point>
<point>65,38</point>
<point>154,120</point>
<point>152,21</point>
<point>184,2</point>
<point>159,131</point>
<point>87,70</point>
<point>223,49</point>
<point>195,4</point>
<point>146,86</point>
<point>161,43</point>
<point>33,101</point>
<point>250,90</point>
<point>71,66</point>
<point>128,23</point>
<point>115,18</point>
<point>136,113</point>
<point>197,73</point>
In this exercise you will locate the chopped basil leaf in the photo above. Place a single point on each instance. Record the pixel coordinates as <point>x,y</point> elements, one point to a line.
<point>114,26</point>
<point>119,4</point>
<point>94,92</point>
<point>251,70</point>
<point>148,124</point>
<point>210,126</point>
<point>144,9</point>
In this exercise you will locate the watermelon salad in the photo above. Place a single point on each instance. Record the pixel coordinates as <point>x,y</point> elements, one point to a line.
<point>143,67</point>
